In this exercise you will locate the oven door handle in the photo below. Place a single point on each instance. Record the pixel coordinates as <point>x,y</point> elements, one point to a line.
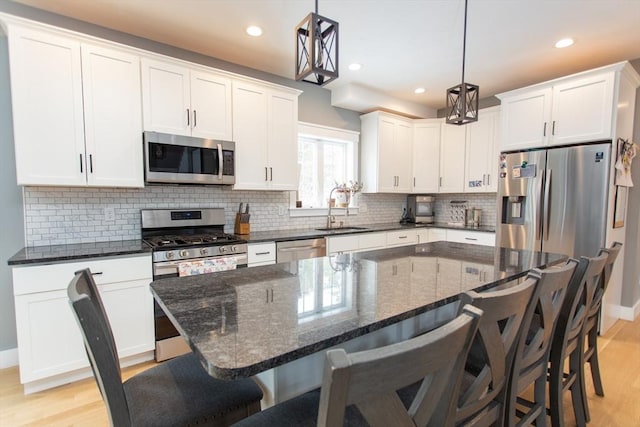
<point>166,268</point>
<point>220,163</point>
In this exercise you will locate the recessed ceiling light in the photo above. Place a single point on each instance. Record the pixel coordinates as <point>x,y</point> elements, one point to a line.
<point>419,90</point>
<point>564,43</point>
<point>355,66</point>
<point>254,31</point>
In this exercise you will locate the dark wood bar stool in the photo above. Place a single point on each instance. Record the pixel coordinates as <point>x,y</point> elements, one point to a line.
<point>359,389</point>
<point>178,392</point>
<point>568,341</point>
<point>532,354</point>
<point>592,323</point>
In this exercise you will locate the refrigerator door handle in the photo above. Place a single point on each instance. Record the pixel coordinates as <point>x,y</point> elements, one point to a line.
<point>538,218</point>
<point>547,208</point>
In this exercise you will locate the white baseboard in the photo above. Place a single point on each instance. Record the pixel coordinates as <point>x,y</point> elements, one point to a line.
<point>630,313</point>
<point>8,358</point>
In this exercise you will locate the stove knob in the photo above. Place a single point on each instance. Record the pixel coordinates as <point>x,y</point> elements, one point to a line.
<point>204,251</point>
<point>234,249</point>
<point>184,253</point>
<point>169,255</point>
<point>222,249</point>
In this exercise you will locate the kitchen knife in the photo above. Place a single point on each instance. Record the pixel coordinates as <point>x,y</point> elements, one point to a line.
<point>240,208</point>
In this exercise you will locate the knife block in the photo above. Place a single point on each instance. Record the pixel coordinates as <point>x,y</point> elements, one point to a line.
<point>241,227</point>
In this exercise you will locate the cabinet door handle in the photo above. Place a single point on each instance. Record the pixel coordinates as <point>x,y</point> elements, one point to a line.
<point>553,128</point>
<point>267,300</point>
<point>484,179</point>
<point>271,174</point>
<point>81,171</point>
<point>266,173</point>
<point>440,182</point>
<point>90,163</point>
<point>271,295</point>
<point>195,119</point>
<point>414,181</point>
<point>544,129</point>
<point>188,124</point>
<point>488,179</point>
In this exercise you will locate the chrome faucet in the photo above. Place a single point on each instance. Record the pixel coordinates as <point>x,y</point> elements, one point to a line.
<point>331,219</point>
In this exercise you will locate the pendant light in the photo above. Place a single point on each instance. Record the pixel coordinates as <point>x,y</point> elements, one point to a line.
<point>462,100</point>
<point>317,49</point>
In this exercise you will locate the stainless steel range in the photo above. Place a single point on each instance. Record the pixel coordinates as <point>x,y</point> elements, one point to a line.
<point>187,242</point>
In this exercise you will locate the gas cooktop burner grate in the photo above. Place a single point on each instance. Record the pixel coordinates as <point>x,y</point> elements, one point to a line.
<point>188,240</point>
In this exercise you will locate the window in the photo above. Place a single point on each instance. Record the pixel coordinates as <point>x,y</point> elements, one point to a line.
<point>326,156</point>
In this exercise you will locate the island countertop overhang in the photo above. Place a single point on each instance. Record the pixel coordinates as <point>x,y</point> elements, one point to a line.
<point>246,321</point>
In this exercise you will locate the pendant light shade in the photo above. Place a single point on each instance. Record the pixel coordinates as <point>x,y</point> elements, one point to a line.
<point>317,49</point>
<point>462,100</point>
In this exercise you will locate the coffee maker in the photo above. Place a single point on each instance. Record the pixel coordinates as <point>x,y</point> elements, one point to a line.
<point>421,209</point>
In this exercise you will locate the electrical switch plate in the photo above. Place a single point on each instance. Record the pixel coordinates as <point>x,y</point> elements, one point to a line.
<point>282,210</point>
<point>109,214</point>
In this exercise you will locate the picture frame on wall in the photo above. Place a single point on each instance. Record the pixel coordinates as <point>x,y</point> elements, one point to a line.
<point>620,206</point>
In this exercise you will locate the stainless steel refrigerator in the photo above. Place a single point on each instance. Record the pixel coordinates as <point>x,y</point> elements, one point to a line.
<point>554,200</point>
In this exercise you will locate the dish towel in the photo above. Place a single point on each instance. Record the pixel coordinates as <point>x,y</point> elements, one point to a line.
<point>212,265</point>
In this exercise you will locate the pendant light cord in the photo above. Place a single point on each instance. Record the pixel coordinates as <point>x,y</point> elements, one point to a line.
<point>317,7</point>
<point>464,37</point>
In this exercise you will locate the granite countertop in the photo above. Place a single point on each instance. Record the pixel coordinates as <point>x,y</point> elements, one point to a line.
<point>59,253</point>
<point>286,235</point>
<point>238,332</point>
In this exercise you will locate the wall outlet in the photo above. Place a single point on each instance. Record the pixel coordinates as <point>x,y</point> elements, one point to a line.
<point>109,214</point>
<point>282,210</point>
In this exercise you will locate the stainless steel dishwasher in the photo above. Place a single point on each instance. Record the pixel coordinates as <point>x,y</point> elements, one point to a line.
<point>300,249</point>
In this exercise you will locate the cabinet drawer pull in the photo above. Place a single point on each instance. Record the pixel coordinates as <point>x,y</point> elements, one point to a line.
<point>402,237</point>
<point>263,253</point>
<point>97,273</point>
<point>188,123</point>
<point>470,238</point>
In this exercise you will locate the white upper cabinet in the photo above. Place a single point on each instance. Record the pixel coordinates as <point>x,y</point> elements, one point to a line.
<point>265,123</point>
<point>112,116</point>
<point>386,153</point>
<point>481,154</point>
<point>452,158</point>
<point>582,110</point>
<point>184,101</point>
<point>574,109</point>
<point>76,111</point>
<point>46,93</point>
<point>426,156</point>
<point>524,120</point>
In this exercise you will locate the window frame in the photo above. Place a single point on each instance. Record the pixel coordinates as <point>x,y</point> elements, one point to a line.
<point>327,133</point>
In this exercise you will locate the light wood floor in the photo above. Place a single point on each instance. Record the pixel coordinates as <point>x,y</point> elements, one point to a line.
<point>80,404</point>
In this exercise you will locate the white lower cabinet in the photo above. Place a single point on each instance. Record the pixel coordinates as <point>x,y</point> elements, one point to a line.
<point>261,254</point>
<point>437,234</point>
<point>50,346</point>
<point>471,237</point>
<point>402,238</point>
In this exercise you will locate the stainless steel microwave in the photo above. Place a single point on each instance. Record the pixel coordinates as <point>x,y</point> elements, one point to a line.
<point>178,159</point>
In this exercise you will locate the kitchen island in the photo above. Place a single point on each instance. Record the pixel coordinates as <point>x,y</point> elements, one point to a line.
<point>275,322</point>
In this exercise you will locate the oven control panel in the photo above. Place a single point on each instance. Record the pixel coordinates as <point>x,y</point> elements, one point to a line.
<point>196,252</point>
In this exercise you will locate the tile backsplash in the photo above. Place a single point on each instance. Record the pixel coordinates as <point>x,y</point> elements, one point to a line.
<point>64,215</point>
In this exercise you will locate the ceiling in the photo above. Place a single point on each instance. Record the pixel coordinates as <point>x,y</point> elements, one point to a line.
<point>401,44</point>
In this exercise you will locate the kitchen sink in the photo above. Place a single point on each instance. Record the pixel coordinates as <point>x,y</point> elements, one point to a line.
<point>341,228</point>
